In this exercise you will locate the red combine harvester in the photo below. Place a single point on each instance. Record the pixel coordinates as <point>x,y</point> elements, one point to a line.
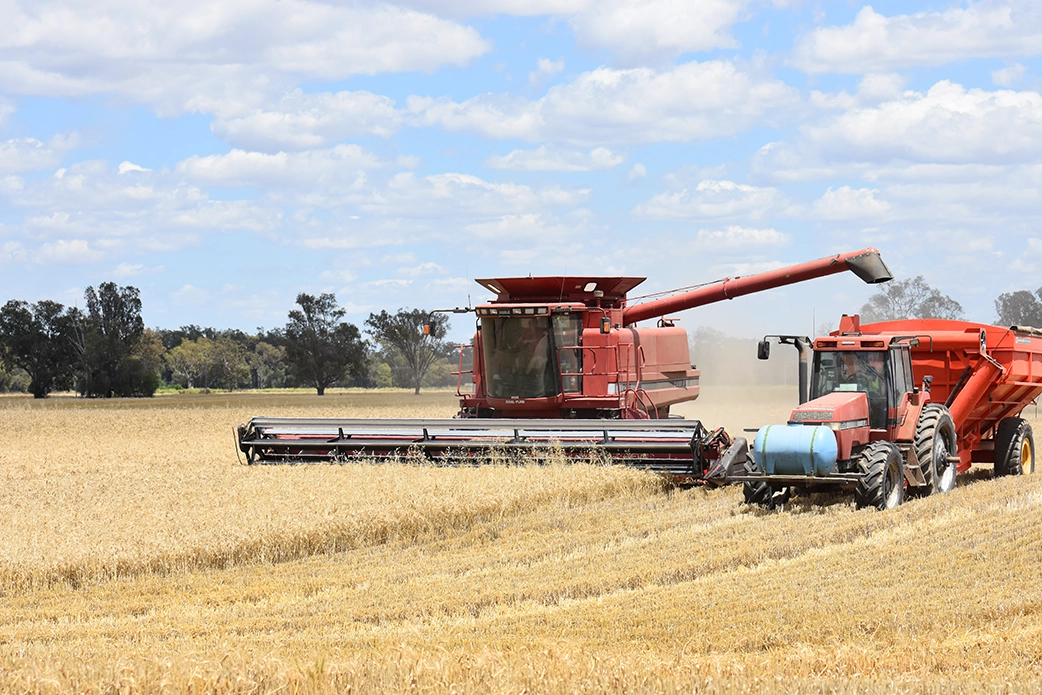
<point>867,427</point>
<point>559,364</point>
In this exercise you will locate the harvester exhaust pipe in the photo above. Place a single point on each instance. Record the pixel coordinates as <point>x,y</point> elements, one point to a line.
<point>870,267</point>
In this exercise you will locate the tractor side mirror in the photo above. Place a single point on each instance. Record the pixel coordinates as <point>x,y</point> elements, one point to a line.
<point>763,350</point>
<point>927,380</point>
<point>605,325</point>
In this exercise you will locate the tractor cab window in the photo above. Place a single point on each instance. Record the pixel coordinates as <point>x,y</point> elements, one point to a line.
<point>901,359</point>
<point>851,370</point>
<point>518,352</point>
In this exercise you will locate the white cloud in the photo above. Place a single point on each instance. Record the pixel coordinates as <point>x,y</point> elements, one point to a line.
<point>342,165</point>
<point>521,227</point>
<point>692,101</point>
<point>545,69</point>
<point>421,270</point>
<point>126,270</point>
<point>641,30</point>
<point>519,8</point>
<point>306,121</point>
<point>876,43</point>
<point>453,195</point>
<point>202,56</point>
<point>13,252</point>
<point>229,215</point>
<point>1029,261</point>
<point>635,30</point>
<point>947,124</point>
<point>846,203</point>
<point>67,251</point>
<point>125,167</point>
<point>735,238</point>
<point>1009,75</point>
<point>347,242</point>
<point>29,154</point>
<point>638,171</point>
<point>546,158</point>
<point>522,238</point>
<point>712,200</point>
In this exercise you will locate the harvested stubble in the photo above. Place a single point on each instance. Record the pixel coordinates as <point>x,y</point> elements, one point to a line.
<point>158,563</point>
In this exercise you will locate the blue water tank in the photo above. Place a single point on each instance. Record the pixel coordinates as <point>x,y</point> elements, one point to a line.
<point>795,450</point>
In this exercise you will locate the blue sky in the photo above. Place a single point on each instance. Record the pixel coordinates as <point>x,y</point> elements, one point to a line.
<point>224,156</point>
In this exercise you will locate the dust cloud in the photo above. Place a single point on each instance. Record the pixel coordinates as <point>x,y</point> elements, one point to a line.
<point>739,391</point>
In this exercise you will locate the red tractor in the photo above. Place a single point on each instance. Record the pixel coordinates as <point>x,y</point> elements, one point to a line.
<point>898,409</point>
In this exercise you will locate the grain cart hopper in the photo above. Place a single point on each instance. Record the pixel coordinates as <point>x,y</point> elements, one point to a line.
<point>560,364</point>
<point>869,429</point>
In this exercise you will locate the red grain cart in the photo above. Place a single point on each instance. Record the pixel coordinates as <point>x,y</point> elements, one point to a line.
<point>986,376</point>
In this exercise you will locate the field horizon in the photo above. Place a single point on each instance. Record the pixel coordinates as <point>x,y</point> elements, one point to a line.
<point>140,556</point>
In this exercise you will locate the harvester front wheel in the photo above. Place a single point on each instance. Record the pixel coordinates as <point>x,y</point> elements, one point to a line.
<point>934,444</point>
<point>1014,448</point>
<point>882,477</point>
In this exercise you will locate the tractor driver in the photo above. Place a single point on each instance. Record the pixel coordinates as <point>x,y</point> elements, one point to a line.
<point>865,369</point>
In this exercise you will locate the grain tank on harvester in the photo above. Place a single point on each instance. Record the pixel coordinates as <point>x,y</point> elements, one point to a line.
<point>898,408</point>
<point>560,366</point>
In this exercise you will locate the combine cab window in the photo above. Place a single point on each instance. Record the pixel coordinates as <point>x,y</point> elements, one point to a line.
<point>519,357</point>
<point>568,330</point>
<point>854,371</point>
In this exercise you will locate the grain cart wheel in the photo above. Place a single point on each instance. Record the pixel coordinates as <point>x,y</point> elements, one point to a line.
<point>882,481</point>
<point>1014,448</point>
<point>934,443</point>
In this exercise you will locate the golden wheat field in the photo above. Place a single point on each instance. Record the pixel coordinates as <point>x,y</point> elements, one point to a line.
<point>138,555</point>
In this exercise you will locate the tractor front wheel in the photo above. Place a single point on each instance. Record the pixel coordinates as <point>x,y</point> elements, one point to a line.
<point>1014,448</point>
<point>881,484</point>
<point>761,493</point>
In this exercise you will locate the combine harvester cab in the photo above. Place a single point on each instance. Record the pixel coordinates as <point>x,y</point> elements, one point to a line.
<point>560,365</point>
<point>899,408</point>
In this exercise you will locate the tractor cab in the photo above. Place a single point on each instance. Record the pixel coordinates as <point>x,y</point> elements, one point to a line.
<point>882,372</point>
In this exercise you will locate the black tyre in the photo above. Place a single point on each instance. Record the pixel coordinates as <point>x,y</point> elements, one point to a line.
<point>1014,448</point>
<point>758,493</point>
<point>882,482</point>
<point>934,443</point>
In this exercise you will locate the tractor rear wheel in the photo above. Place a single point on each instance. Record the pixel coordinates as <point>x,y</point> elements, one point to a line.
<point>1014,448</point>
<point>760,493</point>
<point>934,443</point>
<point>881,484</point>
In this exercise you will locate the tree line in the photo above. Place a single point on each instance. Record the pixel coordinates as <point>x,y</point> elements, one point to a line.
<point>105,350</point>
